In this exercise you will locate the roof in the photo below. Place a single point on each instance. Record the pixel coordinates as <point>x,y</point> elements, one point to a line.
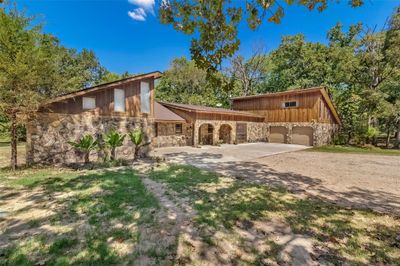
<point>321,90</point>
<point>154,74</point>
<point>162,113</point>
<point>209,110</point>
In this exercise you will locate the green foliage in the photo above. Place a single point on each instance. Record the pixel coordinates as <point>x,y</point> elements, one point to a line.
<point>85,145</point>
<point>185,83</point>
<point>215,24</point>
<point>113,139</point>
<point>136,137</point>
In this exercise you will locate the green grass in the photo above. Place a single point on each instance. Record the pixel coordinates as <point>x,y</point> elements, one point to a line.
<point>346,236</point>
<point>357,150</point>
<point>88,212</point>
<point>5,151</point>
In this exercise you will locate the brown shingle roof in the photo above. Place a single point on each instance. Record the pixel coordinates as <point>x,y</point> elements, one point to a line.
<point>162,113</point>
<point>206,109</point>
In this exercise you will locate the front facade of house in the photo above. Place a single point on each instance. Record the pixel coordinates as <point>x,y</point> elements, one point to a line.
<point>301,117</point>
<point>305,117</point>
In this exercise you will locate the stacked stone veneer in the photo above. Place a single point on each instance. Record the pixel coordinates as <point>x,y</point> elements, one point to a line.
<point>322,132</point>
<point>255,131</point>
<point>49,133</point>
<point>166,136</point>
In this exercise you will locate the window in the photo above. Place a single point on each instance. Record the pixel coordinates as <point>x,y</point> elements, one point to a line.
<point>290,104</point>
<point>178,128</point>
<point>119,100</point>
<point>145,97</point>
<point>88,103</point>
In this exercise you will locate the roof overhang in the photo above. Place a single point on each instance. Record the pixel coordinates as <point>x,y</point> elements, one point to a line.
<point>155,75</point>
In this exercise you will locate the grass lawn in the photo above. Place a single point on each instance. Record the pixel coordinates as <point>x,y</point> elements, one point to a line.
<point>247,223</point>
<point>107,217</point>
<point>353,149</point>
<point>65,217</point>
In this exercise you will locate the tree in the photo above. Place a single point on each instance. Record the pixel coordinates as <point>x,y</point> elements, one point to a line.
<point>85,145</point>
<point>214,23</point>
<point>114,140</point>
<point>249,73</point>
<point>185,83</point>
<point>34,66</point>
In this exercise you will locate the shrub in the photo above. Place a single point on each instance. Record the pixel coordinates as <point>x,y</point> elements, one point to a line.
<point>137,137</point>
<point>85,145</point>
<point>113,139</point>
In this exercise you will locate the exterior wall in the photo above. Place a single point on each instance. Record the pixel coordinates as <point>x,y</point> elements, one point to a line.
<point>166,136</point>
<point>273,111</point>
<point>322,132</point>
<point>255,130</point>
<point>105,101</point>
<point>48,136</point>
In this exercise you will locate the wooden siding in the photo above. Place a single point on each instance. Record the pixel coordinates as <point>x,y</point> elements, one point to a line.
<point>105,101</point>
<point>310,107</point>
<point>192,116</point>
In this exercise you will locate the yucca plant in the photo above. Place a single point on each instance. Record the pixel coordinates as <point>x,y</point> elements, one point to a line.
<point>113,139</point>
<point>85,145</point>
<point>136,137</point>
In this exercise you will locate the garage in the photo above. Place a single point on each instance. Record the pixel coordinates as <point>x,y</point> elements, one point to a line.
<point>302,136</point>
<point>278,135</point>
<point>241,133</point>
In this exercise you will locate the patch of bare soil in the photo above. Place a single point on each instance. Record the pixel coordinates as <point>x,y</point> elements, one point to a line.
<point>270,242</point>
<point>351,180</point>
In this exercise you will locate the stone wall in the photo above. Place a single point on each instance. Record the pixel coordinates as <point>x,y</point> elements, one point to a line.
<point>323,132</point>
<point>256,132</point>
<point>49,133</point>
<point>166,136</point>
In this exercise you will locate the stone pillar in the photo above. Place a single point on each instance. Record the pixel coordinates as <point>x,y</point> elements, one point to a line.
<point>196,134</point>
<point>215,133</point>
<point>289,136</point>
<point>233,133</point>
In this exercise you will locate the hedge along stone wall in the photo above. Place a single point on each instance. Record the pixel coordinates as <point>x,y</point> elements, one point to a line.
<point>49,133</point>
<point>322,132</point>
<point>166,136</point>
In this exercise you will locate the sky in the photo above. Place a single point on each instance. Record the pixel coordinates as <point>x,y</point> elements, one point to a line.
<point>127,36</point>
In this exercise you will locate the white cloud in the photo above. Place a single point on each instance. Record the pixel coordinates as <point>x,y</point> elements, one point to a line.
<point>143,7</point>
<point>137,14</point>
<point>145,4</point>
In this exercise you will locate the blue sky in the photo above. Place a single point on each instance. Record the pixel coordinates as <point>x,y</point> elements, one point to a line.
<point>138,43</point>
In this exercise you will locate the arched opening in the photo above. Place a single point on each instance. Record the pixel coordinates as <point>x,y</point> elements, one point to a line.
<point>206,132</point>
<point>225,134</point>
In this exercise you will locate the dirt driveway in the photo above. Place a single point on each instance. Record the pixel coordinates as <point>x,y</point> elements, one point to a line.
<point>351,180</point>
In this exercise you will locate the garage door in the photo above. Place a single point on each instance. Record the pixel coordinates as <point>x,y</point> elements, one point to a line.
<point>302,136</point>
<point>278,134</point>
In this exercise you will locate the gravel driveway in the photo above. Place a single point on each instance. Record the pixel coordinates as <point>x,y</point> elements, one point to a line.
<point>351,180</point>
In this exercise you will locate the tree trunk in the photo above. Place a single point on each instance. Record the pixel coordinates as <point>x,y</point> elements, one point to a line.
<point>87,154</point>
<point>388,139</point>
<point>136,155</point>
<point>13,141</point>
<point>398,136</point>
<point>113,154</point>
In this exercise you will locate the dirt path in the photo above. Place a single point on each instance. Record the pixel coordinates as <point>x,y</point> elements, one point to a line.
<point>176,230</point>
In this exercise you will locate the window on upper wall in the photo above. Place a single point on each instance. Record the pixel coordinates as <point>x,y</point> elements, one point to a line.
<point>88,103</point>
<point>178,128</point>
<point>290,104</point>
<point>145,97</point>
<point>119,100</point>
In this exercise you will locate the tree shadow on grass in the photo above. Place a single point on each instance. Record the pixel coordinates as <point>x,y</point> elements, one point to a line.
<point>74,218</point>
<point>355,197</point>
<point>239,222</point>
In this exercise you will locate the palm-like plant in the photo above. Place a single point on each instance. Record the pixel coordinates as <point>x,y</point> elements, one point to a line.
<point>85,145</point>
<point>113,139</point>
<point>136,137</point>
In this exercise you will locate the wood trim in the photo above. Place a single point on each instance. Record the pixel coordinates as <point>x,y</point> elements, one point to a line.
<point>331,106</point>
<point>154,75</point>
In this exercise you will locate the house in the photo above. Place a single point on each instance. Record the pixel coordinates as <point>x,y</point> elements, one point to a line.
<point>306,116</point>
<point>122,105</point>
<point>211,126</point>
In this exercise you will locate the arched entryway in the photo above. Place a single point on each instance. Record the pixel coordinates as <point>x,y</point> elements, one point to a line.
<point>206,133</point>
<point>225,132</point>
